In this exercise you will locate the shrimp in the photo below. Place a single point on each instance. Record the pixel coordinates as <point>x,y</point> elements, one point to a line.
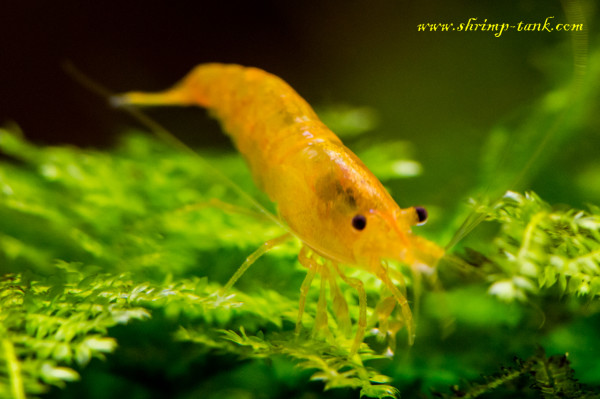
<point>326,196</point>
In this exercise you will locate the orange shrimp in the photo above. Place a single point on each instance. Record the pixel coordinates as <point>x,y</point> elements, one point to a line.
<point>324,193</point>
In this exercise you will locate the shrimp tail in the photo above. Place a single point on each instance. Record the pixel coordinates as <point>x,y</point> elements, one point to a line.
<point>177,95</point>
<point>198,87</point>
<point>136,98</point>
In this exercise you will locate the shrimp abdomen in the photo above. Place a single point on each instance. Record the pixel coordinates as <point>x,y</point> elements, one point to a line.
<point>265,117</point>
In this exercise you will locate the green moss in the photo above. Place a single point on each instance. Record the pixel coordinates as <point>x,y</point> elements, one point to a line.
<point>121,256</point>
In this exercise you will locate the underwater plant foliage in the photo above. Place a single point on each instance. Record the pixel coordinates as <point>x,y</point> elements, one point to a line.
<point>112,265</point>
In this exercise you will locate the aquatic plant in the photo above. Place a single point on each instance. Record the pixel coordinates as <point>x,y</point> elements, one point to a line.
<point>121,255</point>
<point>92,240</point>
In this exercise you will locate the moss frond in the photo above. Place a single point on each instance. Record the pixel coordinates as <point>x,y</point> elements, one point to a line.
<point>539,247</point>
<point>551,376</point>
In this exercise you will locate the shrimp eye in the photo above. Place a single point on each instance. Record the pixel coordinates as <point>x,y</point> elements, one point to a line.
<point>359,222</point>
<point>421,215</point>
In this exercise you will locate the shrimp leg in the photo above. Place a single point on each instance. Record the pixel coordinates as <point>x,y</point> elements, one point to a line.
<point>382,274</point>
<point>340,306</point>
<point>381,314</point>
<point>266,247</point>
<point>321,320</point>
<point>362,308</point>
<point>312,266</point>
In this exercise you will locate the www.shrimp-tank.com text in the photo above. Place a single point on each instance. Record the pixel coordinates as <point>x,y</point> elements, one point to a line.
<point>497,29</point>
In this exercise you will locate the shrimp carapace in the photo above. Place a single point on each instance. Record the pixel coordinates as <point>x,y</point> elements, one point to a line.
<point>325,194</point>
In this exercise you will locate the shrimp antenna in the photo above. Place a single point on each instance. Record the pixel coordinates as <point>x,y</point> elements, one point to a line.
<point>575,16</point>
<point>163,134</point>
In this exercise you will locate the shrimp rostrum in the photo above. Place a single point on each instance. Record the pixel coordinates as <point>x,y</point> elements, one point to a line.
<point>325,195</point>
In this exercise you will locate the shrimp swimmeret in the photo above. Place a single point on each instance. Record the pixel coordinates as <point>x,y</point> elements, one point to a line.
<point>325,194</point>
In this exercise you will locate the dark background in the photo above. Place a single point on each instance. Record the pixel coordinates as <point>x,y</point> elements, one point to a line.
<point>361,53</point>
<point>441,90</point>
